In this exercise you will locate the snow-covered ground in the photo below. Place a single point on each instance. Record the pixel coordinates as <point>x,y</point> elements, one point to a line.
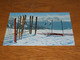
<point>39,40</point>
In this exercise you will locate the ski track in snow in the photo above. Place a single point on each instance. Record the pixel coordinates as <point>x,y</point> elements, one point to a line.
<point>39,40</point>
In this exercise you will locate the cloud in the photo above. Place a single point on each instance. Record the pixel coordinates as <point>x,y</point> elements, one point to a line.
<point>48,17</point>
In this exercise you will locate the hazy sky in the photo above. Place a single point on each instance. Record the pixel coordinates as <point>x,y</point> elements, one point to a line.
<point>65,16</point>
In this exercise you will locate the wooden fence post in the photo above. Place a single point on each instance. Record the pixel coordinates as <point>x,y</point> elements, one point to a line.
<point>35,25</point>
<point>15,30</point>
<point>30,26</point>
<point>31,23</point>
<point>22,26</point>
<point>19,27</point>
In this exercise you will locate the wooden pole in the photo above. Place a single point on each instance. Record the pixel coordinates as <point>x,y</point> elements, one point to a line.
<point>23,23</point>
<point>62,27</point>
<point>15,30</point>
<point>35,25</point>
<point>22,26</point>
<point>32,21</point>
<point>30,26</point>
<point>19,27</point>
<point>24,19</point>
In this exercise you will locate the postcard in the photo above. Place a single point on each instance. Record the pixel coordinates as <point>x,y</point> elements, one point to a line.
<point>39,29</point>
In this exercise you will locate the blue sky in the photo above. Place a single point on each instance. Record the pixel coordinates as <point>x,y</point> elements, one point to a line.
<point>40,14</point>
<point>62,15</point>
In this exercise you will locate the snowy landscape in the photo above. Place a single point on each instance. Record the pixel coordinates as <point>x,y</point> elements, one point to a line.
<point>44,26</point>
<point>39,40</point>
